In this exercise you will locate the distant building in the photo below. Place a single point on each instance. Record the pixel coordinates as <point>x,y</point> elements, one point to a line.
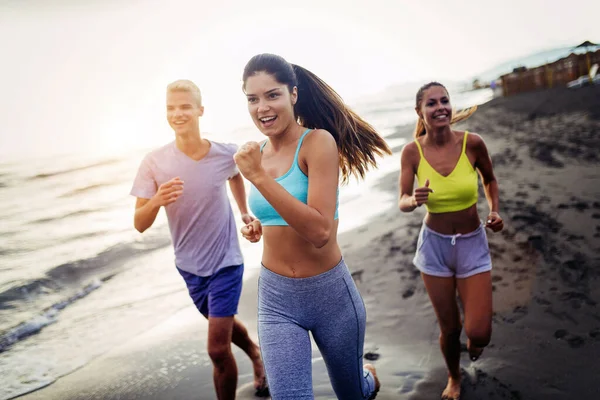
<point>556,74</point>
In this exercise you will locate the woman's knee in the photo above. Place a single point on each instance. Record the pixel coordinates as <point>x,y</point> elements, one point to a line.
<point>450,326</point>
<point>450,335</point>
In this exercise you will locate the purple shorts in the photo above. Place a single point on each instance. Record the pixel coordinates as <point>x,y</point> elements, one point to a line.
<point>216,295</point>
<point>460,255</point>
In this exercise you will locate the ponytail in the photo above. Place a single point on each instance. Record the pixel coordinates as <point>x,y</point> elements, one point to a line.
<point>420,128</point>
<point>320,107</point>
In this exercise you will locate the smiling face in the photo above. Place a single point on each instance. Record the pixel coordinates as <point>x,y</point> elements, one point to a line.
<point>270,103</point>
<point>183,111</point>
<point>435,108</point>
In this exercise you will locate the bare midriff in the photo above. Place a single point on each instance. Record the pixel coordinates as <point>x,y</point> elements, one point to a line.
<point>287,253</point>
<point>451,223</point>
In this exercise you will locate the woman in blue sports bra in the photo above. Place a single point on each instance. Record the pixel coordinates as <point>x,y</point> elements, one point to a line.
<point>304,285</point>
<point>452,249</point>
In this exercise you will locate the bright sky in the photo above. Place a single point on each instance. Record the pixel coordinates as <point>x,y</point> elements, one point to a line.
<point>93,75</point>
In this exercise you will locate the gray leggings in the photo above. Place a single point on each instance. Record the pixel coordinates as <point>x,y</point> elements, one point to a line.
<point>328,305</point>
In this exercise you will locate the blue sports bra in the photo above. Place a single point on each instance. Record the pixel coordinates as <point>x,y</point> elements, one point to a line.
<point>294,181</point>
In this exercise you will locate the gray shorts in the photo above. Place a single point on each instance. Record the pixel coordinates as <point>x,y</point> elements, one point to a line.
<point>460,255</point>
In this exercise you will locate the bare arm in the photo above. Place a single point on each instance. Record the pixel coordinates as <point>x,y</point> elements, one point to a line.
<point>145,214</point>
<point>407,201</point>
<point>238,190</point>
<point>483,163</point>
<point>146,210</point>
<point>314,220</point>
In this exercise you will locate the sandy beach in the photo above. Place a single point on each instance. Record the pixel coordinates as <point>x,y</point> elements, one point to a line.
<point>546,329</point>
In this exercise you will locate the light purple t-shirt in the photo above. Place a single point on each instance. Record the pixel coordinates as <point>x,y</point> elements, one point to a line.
<point>201,221</point>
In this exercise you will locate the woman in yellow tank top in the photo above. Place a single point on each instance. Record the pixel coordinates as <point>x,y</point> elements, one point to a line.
<point>452,250</point>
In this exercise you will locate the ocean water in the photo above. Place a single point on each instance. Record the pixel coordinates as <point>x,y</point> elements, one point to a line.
<point>77,280</point>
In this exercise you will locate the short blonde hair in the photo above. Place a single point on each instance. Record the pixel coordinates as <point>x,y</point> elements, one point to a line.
<point>184,85</point>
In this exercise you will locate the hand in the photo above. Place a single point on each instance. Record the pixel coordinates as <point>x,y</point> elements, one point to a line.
<point>169,192</point>
<point>248,159</point>
<point>247,218</point>
<point>422,194</point>
<point>494,222</point>
<point>252,231</point>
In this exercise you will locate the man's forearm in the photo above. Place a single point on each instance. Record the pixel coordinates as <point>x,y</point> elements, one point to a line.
<point>238,190</point>
<point>145,216</point>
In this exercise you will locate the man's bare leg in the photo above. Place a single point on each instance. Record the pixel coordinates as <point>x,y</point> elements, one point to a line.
<point>220,331</point>
<point>242,340</point>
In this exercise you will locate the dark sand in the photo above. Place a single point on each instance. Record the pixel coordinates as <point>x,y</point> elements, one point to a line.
<point>546,339</point>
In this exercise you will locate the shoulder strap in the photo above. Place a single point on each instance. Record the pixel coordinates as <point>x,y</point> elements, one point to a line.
<point>262,146</point>
<point>465,142</point>
<point>419,147</point>
<point>300,145</point>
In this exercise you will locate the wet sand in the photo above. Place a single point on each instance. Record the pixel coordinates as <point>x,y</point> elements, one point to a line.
<point>546,329</point>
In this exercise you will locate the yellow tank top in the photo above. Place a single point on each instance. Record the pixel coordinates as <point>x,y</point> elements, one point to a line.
<point>455,192</point>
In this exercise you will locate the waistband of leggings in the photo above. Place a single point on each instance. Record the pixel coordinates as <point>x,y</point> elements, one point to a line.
<point>301,284</point>
<point>458,235</point>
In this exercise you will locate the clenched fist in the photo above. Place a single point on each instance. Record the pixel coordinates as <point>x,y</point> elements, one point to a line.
<point>422,194</point>
<point>169,192</point>
<point>252,231</point>
<point>494,222</point>
<point>248,159</point>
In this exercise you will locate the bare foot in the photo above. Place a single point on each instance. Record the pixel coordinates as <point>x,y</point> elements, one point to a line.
<point>260,379</point>
<point>452,391</point>
<point>371,369</point>
<point>474,352</point>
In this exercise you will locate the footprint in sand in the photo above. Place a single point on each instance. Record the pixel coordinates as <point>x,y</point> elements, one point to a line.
<point>573,272</point>
<point>477,383</point>
<point>411,379</point>
<point>542,302</point>
<point>561,333</point>
<point>574,341</point>
<point>408,292</point>
<point>577,299</point>
<point>371,356</point>
<point>357,276</point>
<point>522,195</point>
<point>393,250</point>
<point>581,205</point>
<point>544,200</point>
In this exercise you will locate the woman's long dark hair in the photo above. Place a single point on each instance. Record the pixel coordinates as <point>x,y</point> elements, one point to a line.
<point>320,107</point>
<point>456,117</point>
